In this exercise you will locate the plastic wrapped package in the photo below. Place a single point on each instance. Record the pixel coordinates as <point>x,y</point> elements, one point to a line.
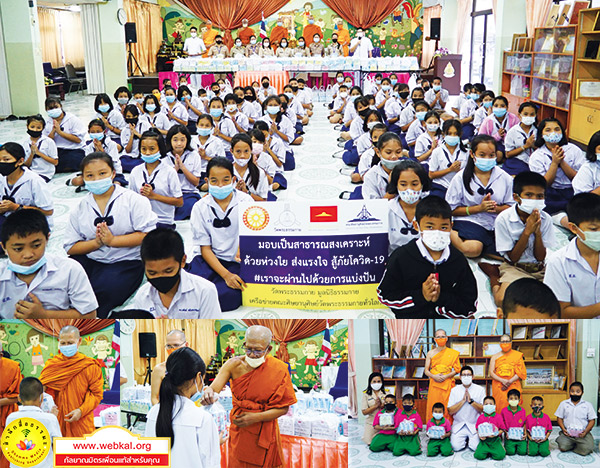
<point>487,430</point>
<point>286,424</point>
<point>436,432</point>
<point>220,416</point>
<point>110,416</point>
<point>325,426</point>
<point>340,405</point>
<point>515,433</point>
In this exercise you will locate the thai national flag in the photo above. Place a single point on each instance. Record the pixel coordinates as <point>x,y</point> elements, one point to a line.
<point>263,27</point>
<point>326,346</point>
<point>116,341</point>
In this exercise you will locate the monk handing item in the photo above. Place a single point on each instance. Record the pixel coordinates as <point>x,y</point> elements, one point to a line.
<point>175,340</point>
<point>507,369</point>
<point>10,379</point>
<point>75,381</point>
<point>441,365</point>
<point>262,392</point>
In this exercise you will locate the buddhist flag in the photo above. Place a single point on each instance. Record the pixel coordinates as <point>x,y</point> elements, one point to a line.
<point>263,27</point>
<point>326,346</point>
<point>116,341</point>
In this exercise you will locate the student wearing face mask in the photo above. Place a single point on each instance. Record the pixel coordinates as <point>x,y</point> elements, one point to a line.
<point>514,420</point>
<point>520,140</point>
<point>40,151</point>
<point>442,444</point>
<point>507,369</point>
<point>429,140</point>
<point>372,402</point>
<point>539,427</point>
<point>468,109</point>
<point>437,97</point>
<point>369,118</point>
<point>278,33</point>
<point>192,431</point>
<point>266,89</point>
<point>587,178</point>
<point>490,446</point>
<point>388,155</point>
<point>576,419</point>
<point>498,124</point>
<point>418,126</point>
<point>130,137</point>
<point>464,405</point>
<point>428,277</point>
<point>385,423</point>
<point>172,292</point>
<point>408,440</point>
<point>218,49</point>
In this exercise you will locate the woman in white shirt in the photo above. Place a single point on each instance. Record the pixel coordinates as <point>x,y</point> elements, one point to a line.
<point>192,430</point>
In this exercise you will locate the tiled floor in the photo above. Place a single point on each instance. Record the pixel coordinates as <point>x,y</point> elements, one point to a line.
<point>361,457</point>
<point>317,177</point>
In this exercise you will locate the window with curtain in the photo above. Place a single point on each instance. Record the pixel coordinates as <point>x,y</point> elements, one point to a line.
<point>482,43</point>
<point>149,32</point>
<point>429,46</point>
<point>61,37</point>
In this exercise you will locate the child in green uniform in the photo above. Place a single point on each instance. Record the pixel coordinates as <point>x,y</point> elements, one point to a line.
<point>534,423</point>
<point>386,420</point>
<point>490,445</point>
<point>443,445</point>
<point>514,420</point>
<point>408,440</point>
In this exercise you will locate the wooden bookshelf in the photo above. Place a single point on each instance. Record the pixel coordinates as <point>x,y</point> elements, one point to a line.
<point>585,102</point>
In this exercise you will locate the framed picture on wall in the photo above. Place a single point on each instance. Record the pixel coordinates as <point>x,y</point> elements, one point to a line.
<point>539,376</point>
<point>464,348</point>
<point>491,348</point>
<point>478,371</point>
<point>387,371</point>
<point>407,389</point>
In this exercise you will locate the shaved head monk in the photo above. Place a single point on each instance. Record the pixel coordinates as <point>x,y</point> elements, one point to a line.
<point>262,392</point>
<point>75,381</point>
<point>507,369</point>
<point>175,340</point>
<point>10,379</point>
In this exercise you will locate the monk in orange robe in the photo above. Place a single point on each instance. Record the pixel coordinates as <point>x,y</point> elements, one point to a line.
<point>507,369</point>
<point>343,37</point>
<point>75,381</point>
<point>441,365</point>
<point>10,379</point>
<point>245,33</point>
<point>208,37</point>
<point>310,30</point>
<point>277,33</point>
<point>262,392</point>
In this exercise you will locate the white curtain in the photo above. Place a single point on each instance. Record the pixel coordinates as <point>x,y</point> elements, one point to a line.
<point>61,37</point>
<point>94,69</point>
<point>464,14</point>
<point>71,37</point>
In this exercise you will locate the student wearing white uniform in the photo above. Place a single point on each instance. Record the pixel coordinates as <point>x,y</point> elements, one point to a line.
<point>520,140</point>
<point>350,112</point>
<point>465,404</point>
<point>193,105</point>
<point>407,182</point>
<point>105,231</point>
<point>215,228</point>
<point>156,119</point>
<point>462,98</point>
<point>251,107</point>
<point>250,178</point>
<point>175,111</point>
<point>361,46</point>
<point>485,110</point>
<point>266,89</point>
<point>194,47</point>
<point>112,118</point>
<point>367,157</point>
<point>172,292</point>
<point>281,128</point>
<point>232,111</point>
<point>476,195</point>
<point>208,145</point>
<point>408,115</point>
<point>130,138</point>
<point>498,124</point>
<point>417,127</point>
<point>270,155</point>
<point>447,159</point>
<point>429,140</point>
<point>31,393</point>
<point>21,188</point>
<point>192,430</point>
<point>101,142</point>
<point>587,178</point>
<point>577,414</point>
<point>224,128</point>
<point>558,161</point>
<point>376,180</point>
<point>437,97</point>
<point>467,110</point>
<point>35,284</point>
<point>41,155</point>
<point>68,132</point>
<point>570,271</point>
<point>186,161</point>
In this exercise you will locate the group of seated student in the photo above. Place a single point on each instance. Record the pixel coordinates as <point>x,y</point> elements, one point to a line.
<point>503,184</point>
<point>496,434</point>
<point>144,161</point>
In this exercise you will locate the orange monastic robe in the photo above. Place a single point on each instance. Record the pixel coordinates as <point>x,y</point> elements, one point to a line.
<point>507,365</point>
<point>209,37</point>
<point>74,382</point>
<point>10,379</point>
<point>278,33</point>
<point>439,392</point>
<point>344,40</point>
<point>267,387</point>
<point>310,31</point>
<point>245,34</point>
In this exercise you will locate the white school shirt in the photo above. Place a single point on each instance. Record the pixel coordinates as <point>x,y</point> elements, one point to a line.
<point>265,93</point>
<point>306,95</point>
<point>198,104</point>
<point>508,230</point>
<point>110,148</point>
<point>196,298</point>
<point>194,46</point>
<point>223,241</point>
<point>571,278</point>
<point>363,143</point>
<point>213,147</point>
<point>401,230</point>
<point>356,128</point>
<point>460,100</point>
<point>265,162</point>
<point>227,128</point>
<point>160,120</point>
<point>408,115</point>
<point>500,182</point>
<point>252,110</point>
<point>196,435</point>
<point>392,109</point>
<point>414,131</point>
<point>278,147</point>
<point>339,102</point>
<point>262,190</point>
<point>541,158</point>
<point>115,119</point>
<point>296,106</point>
<point>466,415</point>
<point>140,127</point>
<point>441,158</point>
<point>364,47</point>
<point>48,420</point>
<point>375,183</point>
<point>191,160</point>
<point>516,137</point>
<point>284,126</point>
<point>166,183</point>
<point>479,116</point>
<point>178,111</point>
<point>29,190</point>
<point>38,164</point>
<point>380,97</point>
<point>70,124</point>
<point>366,161</point>
<point>587,177</point>
<point>430,95</point>
<point>240,118</point>
<point>349,112</point>
<point>575,415</point>
<point>424,142</point>
<point>131,212</point>
<point>467,109</point>
<point>60,284</point>
<point>290,114</point>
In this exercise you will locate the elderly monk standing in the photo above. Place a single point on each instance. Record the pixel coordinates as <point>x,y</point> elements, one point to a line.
<point>10,379</point>
<point>507,369</point>
<point>441,365</point>
<point>245,33</point>
<point>209,35</point>
<point>175,340</point>
<point>277,33</point>
<point>75,381</point>
<point>310,30</point>
<point>262,392</point>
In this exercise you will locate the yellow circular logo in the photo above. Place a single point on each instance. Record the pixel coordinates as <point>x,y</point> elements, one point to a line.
<point>25,442</point>
<point>256,218</point>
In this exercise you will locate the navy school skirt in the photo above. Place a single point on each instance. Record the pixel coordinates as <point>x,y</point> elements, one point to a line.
<point>229,299</point>
<point>472,231</point>
<point>189,200</point>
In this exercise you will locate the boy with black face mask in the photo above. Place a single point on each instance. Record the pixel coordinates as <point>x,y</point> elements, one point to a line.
<point>386,421</point>
<point>409,425</point>
<point>171,292</point>
<point>41,155</point>
<point>576,419</point>
<point>538,427</point>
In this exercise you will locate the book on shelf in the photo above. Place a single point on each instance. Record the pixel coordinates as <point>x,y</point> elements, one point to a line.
<point>387,371</point>
<point>570,45</point>
<point>555,70</point>
<point>423,392</point>
<point>548,45</point>
<point>399,372</point>
<point>556,331</point>
<point>419,372</point>
<point>539,333</point>
<point>577,7</point>
<point>519,333</point>
<point>455,327</point>
<point>472,330</point>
